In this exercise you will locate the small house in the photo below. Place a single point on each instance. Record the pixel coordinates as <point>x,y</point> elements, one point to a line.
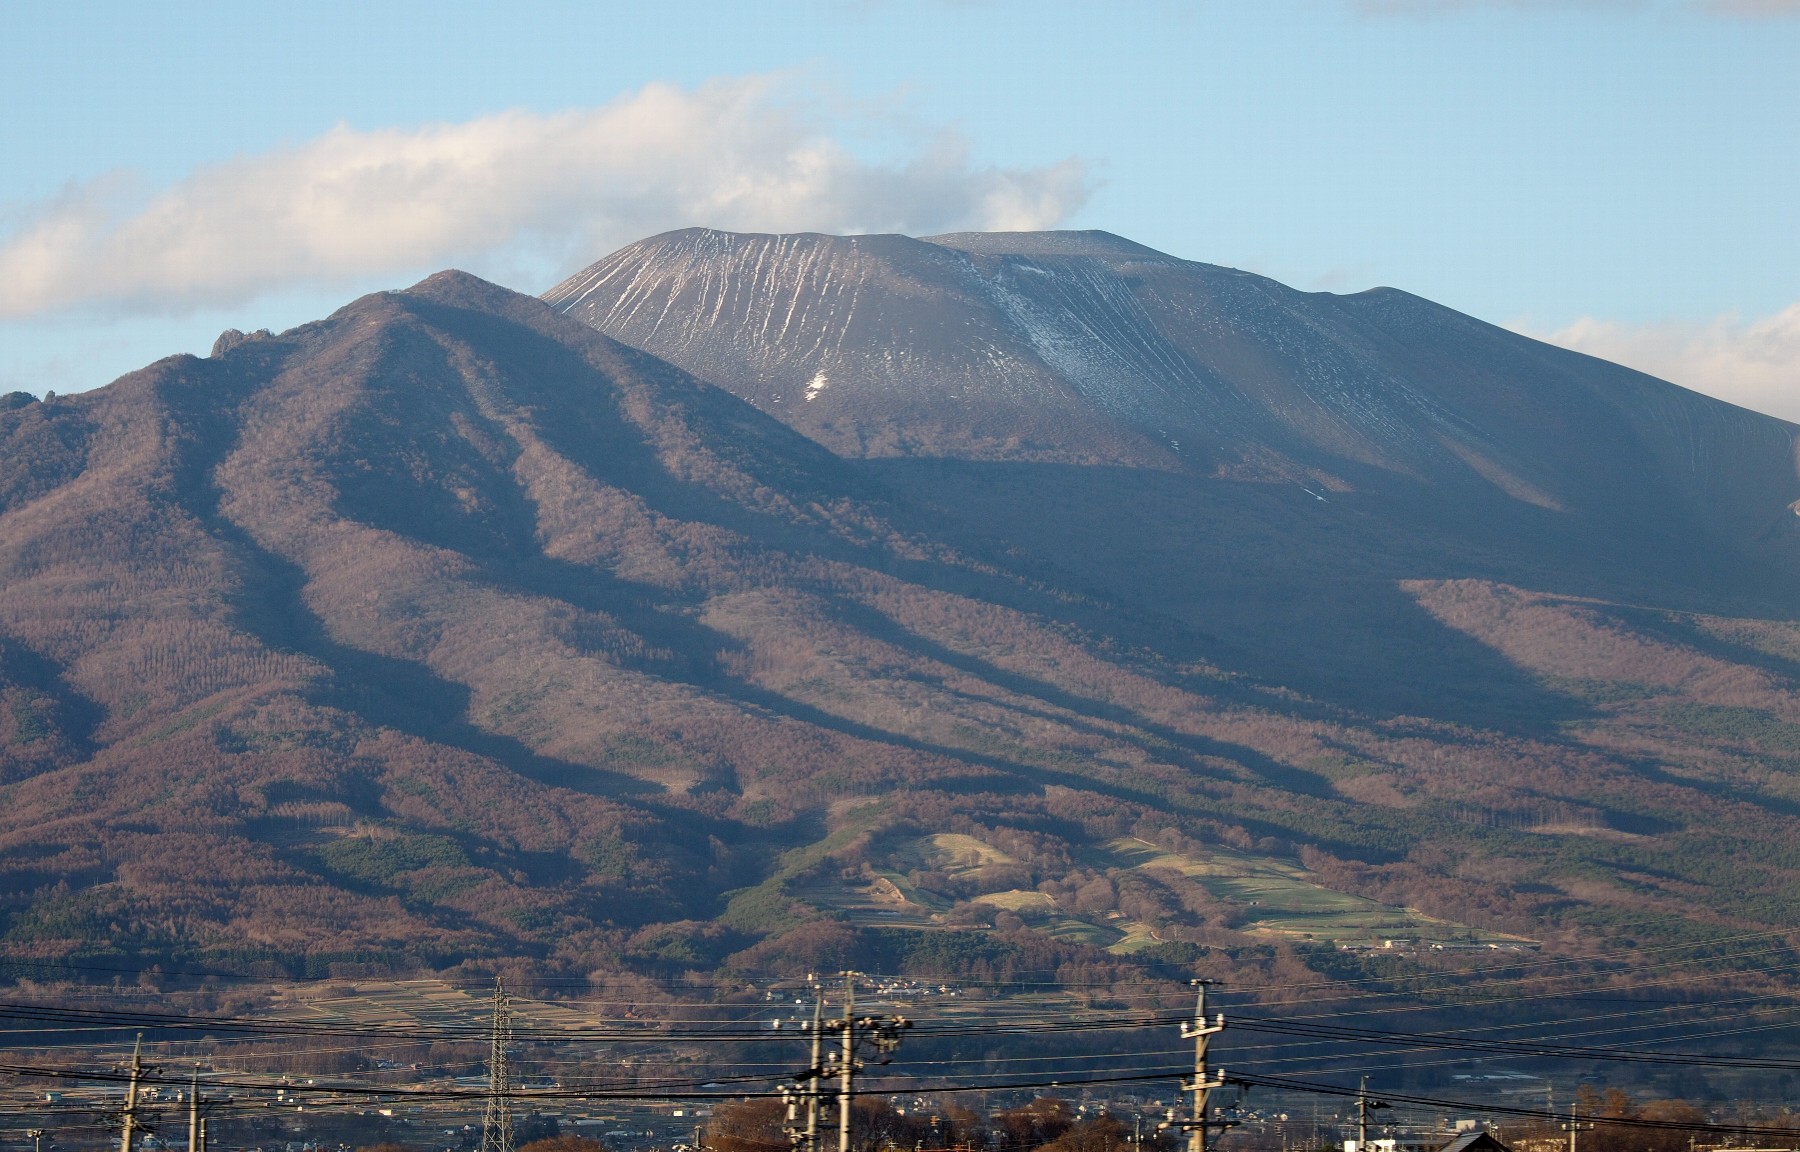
<point>1479,1140</point>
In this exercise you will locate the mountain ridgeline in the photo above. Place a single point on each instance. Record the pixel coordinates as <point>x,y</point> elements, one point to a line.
<point>1084,348</point>
<point>762,602</point>
<point>1265,465</point>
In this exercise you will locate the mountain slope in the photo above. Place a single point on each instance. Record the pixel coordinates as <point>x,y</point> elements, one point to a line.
<point>448,629</point>
<point>1266,465</point>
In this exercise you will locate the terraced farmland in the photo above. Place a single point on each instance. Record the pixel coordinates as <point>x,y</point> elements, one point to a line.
<point>944,879</point>
<point>1280,897</point>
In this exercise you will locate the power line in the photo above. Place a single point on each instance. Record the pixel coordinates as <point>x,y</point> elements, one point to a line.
<point>497,1125</point>
<point>1509,1047</point>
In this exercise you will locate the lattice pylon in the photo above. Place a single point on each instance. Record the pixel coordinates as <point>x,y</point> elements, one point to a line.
<point>497,1125</point>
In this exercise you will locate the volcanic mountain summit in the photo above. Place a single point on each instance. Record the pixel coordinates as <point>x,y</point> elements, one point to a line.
<point>852,592</point>
<point>1083,347</point>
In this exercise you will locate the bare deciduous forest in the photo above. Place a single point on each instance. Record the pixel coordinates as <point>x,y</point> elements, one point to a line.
<point>447,633</point>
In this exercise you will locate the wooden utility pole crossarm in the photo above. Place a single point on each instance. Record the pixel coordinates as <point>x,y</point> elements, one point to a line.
<point>1205,1081</point>
<point>1363,1107</point>
<point>1574,1126</point>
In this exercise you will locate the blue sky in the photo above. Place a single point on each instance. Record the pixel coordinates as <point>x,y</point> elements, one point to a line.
<point>1620,176</point>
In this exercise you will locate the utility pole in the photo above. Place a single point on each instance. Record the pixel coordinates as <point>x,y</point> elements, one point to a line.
<point>128,1116</point>
<point>1574,1126</point>
<point>1363,1106</point>
<point>497,1124</point>
<point>847,1064</point>
<point>197,1109</point>
<point>194,1112</point>
<point>816,1084</point>
<point>805,1138</point>
<point>880,1032</point>
<point>1201,1032</point>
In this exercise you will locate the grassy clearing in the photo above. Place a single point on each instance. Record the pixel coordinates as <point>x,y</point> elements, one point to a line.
<point>1019,900</point>
<point>1136,937</point>
<point>1080,932</point>
<point>957,854</point>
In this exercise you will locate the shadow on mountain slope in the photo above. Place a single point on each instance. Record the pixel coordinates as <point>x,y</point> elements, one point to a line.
<point>1194,745</point>
<point>1300,590</point>
<point>399,694</point>
<point>50,722</point>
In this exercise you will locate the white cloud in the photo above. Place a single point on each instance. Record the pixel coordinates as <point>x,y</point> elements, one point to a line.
<point>1754,363</point>
<point>516,187</point>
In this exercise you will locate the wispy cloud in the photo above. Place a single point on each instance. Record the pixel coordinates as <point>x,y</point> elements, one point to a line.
<point>353,205</point>
<point>1755,363</point>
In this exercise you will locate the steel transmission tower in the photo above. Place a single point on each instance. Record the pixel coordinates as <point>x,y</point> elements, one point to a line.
<point>497,1124</point>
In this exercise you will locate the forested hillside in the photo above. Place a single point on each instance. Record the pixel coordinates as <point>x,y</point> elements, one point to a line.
<point>450,631</point>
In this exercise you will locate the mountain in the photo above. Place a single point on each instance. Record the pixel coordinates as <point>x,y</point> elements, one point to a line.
<point>1265,465</point>
<point>1099,608</point>
<point>1085,348</point>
